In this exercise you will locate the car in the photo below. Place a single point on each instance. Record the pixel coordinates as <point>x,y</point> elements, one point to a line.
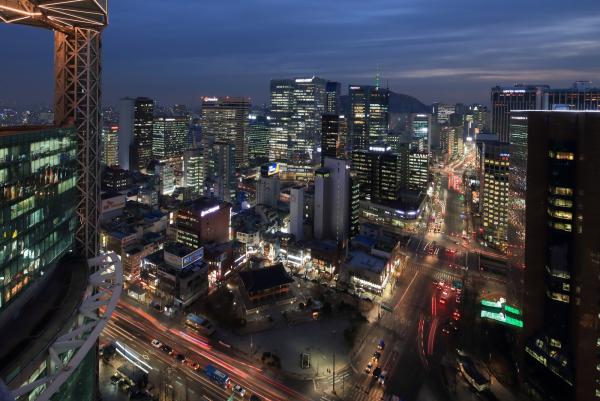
<point>376,356</point>
<point>254,397</point>
<point>376,372</point>
<point>114,379</point>
<point>445,330</point>
<point>166,349</point>
<point>239,390</point>
<point>456,314</point>
<point>156,344</point>
<point>179,357</point>
<point>369,367</point>
<point>381,345</point>
<point>382,377</point>
<point>192,364</point>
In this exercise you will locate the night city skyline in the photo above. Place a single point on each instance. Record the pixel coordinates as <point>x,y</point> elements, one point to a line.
<point>284,200</point>
<point>433,52</point>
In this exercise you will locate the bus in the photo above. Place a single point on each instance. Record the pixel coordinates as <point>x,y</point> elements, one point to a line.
<point>217,376</point>
<point>199,324</point>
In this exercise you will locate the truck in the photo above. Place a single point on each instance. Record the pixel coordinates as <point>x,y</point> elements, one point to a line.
<point>217,376</point>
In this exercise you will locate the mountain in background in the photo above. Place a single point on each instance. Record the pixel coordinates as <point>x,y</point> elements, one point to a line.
<point>399,103</point>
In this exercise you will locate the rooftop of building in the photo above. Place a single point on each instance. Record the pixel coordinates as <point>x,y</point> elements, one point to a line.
<point>265,278</point>
<point>323,246</point>
<point>178,249</point>
<point>158,259</point>
<point>407,201</point>
<point>7,131</point>
<point>203,203</point>
<point>364,261</point>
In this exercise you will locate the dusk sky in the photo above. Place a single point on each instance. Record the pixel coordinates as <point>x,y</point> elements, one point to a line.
<point>437,50</point>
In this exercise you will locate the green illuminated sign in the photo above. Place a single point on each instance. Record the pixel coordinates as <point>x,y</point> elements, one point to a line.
<point>512,310</point>
<point>502,318</point>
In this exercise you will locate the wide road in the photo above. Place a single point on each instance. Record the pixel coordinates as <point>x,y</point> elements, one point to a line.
<point>135,329</point>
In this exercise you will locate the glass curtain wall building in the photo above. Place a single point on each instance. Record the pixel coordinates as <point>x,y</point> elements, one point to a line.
<point>37,204</point>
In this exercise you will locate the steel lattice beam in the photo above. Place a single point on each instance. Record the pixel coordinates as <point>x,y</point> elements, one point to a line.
<point>105,286</point>
<point>77,101</point>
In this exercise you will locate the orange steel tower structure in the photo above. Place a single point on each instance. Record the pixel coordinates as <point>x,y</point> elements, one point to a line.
<point>77,26</point>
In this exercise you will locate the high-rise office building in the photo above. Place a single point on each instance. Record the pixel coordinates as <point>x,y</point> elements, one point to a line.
<point>562,256</point>
<point>518,97</point>
<point>226,120</point>
<point>143,117</point>
<point>282,109</point>
<point>110,145</point>
<point>493,157</point>
<point>169,136</point>
<point>193,173</point>
<point>517,188</point>
<point>480,116</point>
<point>420,129</point>
<point>296,109</point>
<point>332,97</point>
<point>202,221</point>
<point>38,197</point>
<point>125,137</point>
<point>418,170</point>
<point>442,112</point>
<point>331,136</point>
<point>135,132</point>
<point>258,138</point>
<point>332,200</point>
<point>380,173</point>
<point>369,116</point>
<point>223,154</point>
<point>354,208</point>
<point>581,96</point>
<point>165,178</point>
<point>309,106</point>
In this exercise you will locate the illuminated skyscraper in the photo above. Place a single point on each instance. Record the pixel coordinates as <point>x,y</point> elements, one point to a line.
<point>226,120</point>
<point>519,97</point>
<point>369,117</point>
<point>170,136</point>
<point>331,143</point>
<point>282,109</point>
<point>258,137</point>
<point>110,145</point>
<point>296,109</point>
<point>380,173</point>
<point>581,96</point>
<point>418,170</point>
<point>442,112</point>
<point>494,168</point>
<point>332,99</point>
<point>224,170</point>
<point>420,129</point>
<point>562,256</point>
<point>143,116</point>
<point>37,192</point>
<point>193,173</point>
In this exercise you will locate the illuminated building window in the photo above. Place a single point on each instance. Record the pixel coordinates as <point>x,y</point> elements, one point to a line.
<point>561,191</point>
<point>562,226</point>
